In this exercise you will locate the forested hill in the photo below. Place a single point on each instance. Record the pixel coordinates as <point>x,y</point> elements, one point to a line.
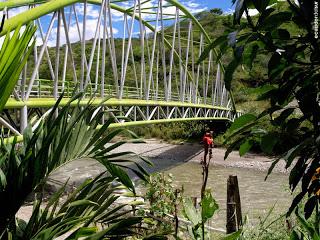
<point>245,81</point>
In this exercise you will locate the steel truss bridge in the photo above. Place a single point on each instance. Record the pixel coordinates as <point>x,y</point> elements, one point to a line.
<point>141,55</point>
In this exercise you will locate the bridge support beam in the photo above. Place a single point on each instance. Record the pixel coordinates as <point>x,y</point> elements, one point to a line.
<point>23,118</point>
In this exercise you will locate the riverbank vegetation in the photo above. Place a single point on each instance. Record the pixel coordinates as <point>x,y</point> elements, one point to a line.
<point>291,89</point>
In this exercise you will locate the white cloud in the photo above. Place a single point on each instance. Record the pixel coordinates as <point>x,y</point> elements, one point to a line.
<point>230,11</point>
<point>15,11</point>
<point>73,33</point>
<point>194,7</point>
<point>92,10</point>
<point>149,8</point>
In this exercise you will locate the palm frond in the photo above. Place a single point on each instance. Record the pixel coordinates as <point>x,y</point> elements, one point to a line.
<point>56,141</point>
<point>90,211</point>
<point>14,53</point>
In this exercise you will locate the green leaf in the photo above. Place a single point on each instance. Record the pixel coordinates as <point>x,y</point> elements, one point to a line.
<point>85,231</point>
<point>260,5</point>
<point>268,142</point>
<point>233,236</point>
<point>208,206</point>
<point>119,227</point>
<point>310,206</point>
<point>13,56</point>
<point>82,202</point>
<point>274,62</point>
<point>118,172</point>
<point>295,235</point>
<point>249,54</point>
<point>190,212</point>
<point>308,227</point>
<point>211,46</point>
<point>283,116</point>
<point>245,147</point>
<point>242,121</point>
<point>3,179</point>
<point>282,34</point>
<point>275,20</point>
<point>293,152</point>
<point>230,69</point>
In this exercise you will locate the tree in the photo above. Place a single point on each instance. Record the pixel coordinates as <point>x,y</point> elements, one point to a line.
<point>216,11</point>
<point>292,88</point>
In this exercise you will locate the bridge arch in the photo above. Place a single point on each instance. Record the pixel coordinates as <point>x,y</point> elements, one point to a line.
<point>165,78</point>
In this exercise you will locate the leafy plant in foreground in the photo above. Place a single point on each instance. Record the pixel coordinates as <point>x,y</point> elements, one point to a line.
<point>292,88</point>
<point>306,230</point>
<point>90,212</point>
<point>14,53</point>
<point>164,200</point>
<point>199,218</point>
<point>73,134</point>
<point>269,227</point>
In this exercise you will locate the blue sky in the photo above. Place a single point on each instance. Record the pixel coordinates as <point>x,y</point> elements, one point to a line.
<point>224,5</point>
<point>195,6</point>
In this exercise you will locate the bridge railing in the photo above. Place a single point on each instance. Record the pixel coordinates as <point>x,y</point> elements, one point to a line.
<point>44,88</point>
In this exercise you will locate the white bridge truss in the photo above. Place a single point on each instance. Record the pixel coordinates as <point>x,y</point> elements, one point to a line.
<point>141,54</point>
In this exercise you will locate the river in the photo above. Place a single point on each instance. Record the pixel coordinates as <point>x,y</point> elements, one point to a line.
<point>257,195</point>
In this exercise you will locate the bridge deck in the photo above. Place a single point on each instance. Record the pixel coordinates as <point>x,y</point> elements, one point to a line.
<point>49,102</point>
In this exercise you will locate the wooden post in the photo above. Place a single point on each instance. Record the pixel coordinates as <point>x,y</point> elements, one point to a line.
<point>176,219</point>
<point>238,203</point>
<point>195,201</point>
<point>234,214</point>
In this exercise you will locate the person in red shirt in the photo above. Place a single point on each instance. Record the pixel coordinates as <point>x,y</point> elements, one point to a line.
<point>207,145</point>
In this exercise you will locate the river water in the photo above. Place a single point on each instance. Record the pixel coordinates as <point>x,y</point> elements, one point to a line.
<point>257,196</point>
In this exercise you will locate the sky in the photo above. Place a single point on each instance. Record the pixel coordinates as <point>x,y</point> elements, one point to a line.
<point>194,6</point>
<point>225,5</point>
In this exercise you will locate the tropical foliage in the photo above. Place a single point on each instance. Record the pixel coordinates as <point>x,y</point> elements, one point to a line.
<point>199,217</point>
<point>292,88</point>
<point>163,201</point>
<point>14,53</point>
<point>306,229</point>
<point>90,211</point>
<point>54,142</point>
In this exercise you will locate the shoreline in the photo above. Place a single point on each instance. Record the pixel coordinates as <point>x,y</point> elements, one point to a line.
<point>158,150</point>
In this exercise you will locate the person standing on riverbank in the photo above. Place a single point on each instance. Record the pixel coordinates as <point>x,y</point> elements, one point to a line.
<point>207,145</point>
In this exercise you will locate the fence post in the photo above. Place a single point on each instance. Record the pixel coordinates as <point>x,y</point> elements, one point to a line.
<point>234,214</point>
<point>195,201</point>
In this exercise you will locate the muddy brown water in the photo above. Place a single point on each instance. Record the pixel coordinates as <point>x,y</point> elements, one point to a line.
<point>257,195</point>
